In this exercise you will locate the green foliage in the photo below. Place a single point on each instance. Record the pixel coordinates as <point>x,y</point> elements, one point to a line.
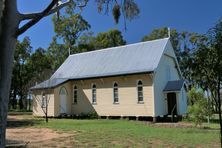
<point>70,28</point>
<point>199,109</point>
<point>207,63</point>
<point>112,38</point>
<point>40,66</point>
<point>21,73</point>
<point>88,42</point>
<point>57,54</point>
<point>128,8</point>
<point>92,115</point>
<point>29,68</point>
<point>116,13</point>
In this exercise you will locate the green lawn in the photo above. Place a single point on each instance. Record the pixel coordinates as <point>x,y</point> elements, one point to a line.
<point>122,133</point>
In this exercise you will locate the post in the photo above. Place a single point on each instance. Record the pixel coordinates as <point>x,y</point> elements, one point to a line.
<point>154,119</point>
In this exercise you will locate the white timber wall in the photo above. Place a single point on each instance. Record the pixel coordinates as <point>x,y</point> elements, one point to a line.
<point>166,71</point>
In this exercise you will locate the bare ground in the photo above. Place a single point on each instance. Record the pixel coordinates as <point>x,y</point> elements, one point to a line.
<point>36,137</point>
<point>44,137</point>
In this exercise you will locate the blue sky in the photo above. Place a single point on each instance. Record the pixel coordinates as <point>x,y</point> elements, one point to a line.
<point>183,15</point>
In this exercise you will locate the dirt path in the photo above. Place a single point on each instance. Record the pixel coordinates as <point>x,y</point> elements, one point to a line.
<point>35,137</point>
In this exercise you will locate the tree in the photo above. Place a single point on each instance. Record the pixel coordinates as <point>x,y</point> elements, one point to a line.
<point>70,26</point>
<point>40,65</point>
<point>10,29</point>
<point>111,38</point>
<point>207,66</point>
<point>57,53</point>
<point>199,108</point>
<point>21,74</point>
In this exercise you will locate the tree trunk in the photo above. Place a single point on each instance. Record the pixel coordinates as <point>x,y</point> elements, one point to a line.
<point>9,24</point>
<point>219,109</point>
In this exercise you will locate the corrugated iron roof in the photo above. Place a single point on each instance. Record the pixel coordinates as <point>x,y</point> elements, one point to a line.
<point>134,58</point>
<point>174,85</point>
<point>129,59</point>
<point>51,83</point>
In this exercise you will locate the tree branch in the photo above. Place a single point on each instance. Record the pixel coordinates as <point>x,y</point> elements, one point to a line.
<point>36,17</point>
<point>83,5</point>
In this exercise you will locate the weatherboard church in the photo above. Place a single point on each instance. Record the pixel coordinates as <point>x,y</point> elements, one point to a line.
<point>139,80</point>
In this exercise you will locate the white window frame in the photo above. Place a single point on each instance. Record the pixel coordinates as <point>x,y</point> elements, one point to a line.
<point>44,101</point>
<point>94,100</point>
<point>75,90</point>
<point>137,87</point>
<point>115,102</point>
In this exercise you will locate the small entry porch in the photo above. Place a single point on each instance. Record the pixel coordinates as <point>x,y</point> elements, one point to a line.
<point>172,97</point>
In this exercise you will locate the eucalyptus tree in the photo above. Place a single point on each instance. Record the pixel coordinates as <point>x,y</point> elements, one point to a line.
<point>11,28</point>
<point>21,73</point>
<point>111,38</point>
<point>108,39</point>
<point>207,66</point>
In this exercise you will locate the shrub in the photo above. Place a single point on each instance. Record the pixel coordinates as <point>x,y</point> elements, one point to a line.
<point>199,108</point>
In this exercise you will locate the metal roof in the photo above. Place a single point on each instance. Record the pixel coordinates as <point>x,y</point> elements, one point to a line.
<point>129,59</point>
<point>51,83</point>
<point>174,85</point>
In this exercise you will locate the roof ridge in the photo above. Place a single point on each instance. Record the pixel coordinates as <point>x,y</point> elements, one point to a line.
<point>104,49</point>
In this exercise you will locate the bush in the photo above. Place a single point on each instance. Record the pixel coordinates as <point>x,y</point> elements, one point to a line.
<point>199,108</point>
<point>92,115</point>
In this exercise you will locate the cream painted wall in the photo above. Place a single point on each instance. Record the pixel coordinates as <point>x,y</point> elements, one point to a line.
<point>37,102</point>
<point>128,105</point>
<point>68,88</point>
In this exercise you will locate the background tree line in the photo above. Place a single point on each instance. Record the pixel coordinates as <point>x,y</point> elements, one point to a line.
<point>34,66</point>
<point>73,33</point>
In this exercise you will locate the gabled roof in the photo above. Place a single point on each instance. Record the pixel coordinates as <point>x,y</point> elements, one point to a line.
<point>142,57</point>
<point>129,59</point>
<point>174,86</point>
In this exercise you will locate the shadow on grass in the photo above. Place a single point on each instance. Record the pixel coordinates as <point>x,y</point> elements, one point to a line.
<point>22,123</point>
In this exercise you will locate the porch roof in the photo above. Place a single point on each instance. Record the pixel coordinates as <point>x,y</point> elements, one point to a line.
<point>51,83</point>
<point>175,85</point>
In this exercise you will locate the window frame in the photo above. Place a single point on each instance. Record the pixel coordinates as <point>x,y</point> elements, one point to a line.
<point>94,100</point>
<point>138,97</point>
<point>117,89</point>
<point>44,101</point>
<point>75,90</point>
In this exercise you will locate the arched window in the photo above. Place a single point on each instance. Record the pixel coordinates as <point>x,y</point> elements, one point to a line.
<point>140,91</point>
<point>44,101</point>
<point>115,93</point>
<point>75,94</point>
<point>93,93</point>
<point>63,91</point>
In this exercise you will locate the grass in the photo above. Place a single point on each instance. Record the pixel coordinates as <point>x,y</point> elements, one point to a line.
<point>132,133</point>
<point>122,133</point>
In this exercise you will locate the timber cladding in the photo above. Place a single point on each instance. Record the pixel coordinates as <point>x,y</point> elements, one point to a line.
<point>127,92</point>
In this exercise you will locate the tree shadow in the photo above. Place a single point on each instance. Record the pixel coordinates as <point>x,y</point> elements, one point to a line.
<point>16,123</point>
